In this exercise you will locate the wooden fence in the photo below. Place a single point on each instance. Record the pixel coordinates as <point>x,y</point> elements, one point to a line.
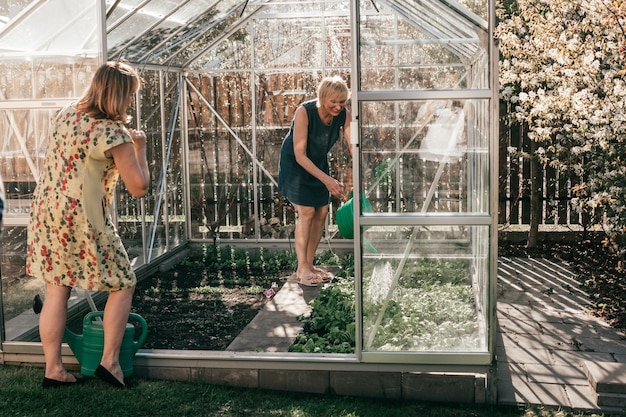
<point>514,172</point>
<point>514,181</point>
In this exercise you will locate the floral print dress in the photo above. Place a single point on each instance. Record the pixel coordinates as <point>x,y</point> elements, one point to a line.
<point>72,241</point>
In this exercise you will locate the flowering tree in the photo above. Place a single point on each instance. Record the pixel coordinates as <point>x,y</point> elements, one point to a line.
<point>562,69</point>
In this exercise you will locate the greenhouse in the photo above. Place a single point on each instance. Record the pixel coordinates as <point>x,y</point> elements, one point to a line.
<point>221,81</point>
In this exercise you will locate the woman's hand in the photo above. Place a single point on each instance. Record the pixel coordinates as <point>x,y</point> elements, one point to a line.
<point>335,187</point>
<point>138,137</point>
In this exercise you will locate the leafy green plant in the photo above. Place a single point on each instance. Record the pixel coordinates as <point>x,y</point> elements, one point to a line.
<point>327,257</point>
<point>229,262</point>
<point>434,317</point>
<point>330,327</point>
<point>432,309</point>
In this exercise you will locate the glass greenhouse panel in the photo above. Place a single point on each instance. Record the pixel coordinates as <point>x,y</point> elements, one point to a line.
<point>222,157</point>
<point>436,49</point>
<point>49,29</point>
<point>278,96</point>
<point>311,7</point>
<point>304,42</point>
<point>288,43</point>
<point>479,8</point>
<point>45,79</point>
<point>424,288</point>
<point>41,56</point>
<point>24,145</point>
<point>232,53</point>
<point>157,223</point>
<point>168,28</point>
<point>170,183</point>
<point>428,156</point>
<point>18,289</point>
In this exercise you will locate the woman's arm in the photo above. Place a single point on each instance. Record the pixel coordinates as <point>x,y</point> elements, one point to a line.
<point>300,138</point>
<point>132,164</point>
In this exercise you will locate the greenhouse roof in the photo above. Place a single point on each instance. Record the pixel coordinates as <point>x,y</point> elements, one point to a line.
<point>48,28</point>
<point>174,33</point>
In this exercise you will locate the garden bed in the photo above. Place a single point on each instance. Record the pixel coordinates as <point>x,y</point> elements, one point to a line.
<point>207,300</point>
<point>210,297</point>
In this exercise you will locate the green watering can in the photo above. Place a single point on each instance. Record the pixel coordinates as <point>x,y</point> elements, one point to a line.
<point>88,347</point>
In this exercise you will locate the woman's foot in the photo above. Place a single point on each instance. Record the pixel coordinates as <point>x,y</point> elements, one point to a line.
<point>310,280</point>
<point>324,275</point>
<point>105,375</point>
<point>64,381</point>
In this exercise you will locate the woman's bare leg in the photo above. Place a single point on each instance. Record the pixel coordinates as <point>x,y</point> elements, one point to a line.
<point>303,235</point>
<point>317,229</point>
<point>51,329</point>
<point>116,314</point>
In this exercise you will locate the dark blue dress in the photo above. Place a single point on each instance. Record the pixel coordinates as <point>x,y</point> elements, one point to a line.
<point>294,182</point>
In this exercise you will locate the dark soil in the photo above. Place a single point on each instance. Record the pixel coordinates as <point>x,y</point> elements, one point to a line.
<point>187,308</point>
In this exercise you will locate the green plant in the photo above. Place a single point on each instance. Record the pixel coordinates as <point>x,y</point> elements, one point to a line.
<point>327,257</point>
<point>232,263</point>
<point>432,309</point>
<point>330,327</point>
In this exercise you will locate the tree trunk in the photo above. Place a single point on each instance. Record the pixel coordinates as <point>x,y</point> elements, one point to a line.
<point>535,197</point>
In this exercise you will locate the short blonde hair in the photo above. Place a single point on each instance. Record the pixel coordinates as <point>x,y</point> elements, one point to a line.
<point>333,86</point>
<point>110,92</point>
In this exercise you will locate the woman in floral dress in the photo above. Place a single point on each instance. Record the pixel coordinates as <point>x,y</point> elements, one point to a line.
<point>72,241</point>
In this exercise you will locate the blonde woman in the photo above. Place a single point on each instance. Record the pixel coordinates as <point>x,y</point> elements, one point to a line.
<point>71,239</point>
<point>303,174</point>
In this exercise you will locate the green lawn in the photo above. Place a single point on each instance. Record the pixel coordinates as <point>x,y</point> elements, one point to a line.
<point>21,395</point>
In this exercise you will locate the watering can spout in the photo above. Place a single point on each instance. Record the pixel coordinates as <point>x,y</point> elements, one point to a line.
<point>75,341</point>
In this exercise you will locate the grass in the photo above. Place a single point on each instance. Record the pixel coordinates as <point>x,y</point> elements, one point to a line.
<point>21,395</point>
<point>19,296</point>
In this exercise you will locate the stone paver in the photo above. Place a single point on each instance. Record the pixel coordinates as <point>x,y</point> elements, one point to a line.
<point>275,327</point>
<point>607,376</point>
<point>546,336</point>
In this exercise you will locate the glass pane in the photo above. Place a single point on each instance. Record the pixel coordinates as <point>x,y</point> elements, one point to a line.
<point>309,7</point>
<point>45,79</point>
<point>50,28</point>
<point>169,192</point>
<point>41,57</point>
<point>426,156</point>
<point>152,213</point>
<point>18,289</point>
<point>232,53</point>
<point>438,48</point>
<point>424,288</point>
<point>302,42</point>
<point>221,156</point>
<point>24,144</point>
<point>288,43</point>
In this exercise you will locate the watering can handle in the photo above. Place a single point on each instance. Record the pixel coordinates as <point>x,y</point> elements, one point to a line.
<point>144,326</point>
<point>144,331</point>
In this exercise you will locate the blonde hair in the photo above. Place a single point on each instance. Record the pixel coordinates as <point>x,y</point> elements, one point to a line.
<point>110,92</point>
<point>333,86</point>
